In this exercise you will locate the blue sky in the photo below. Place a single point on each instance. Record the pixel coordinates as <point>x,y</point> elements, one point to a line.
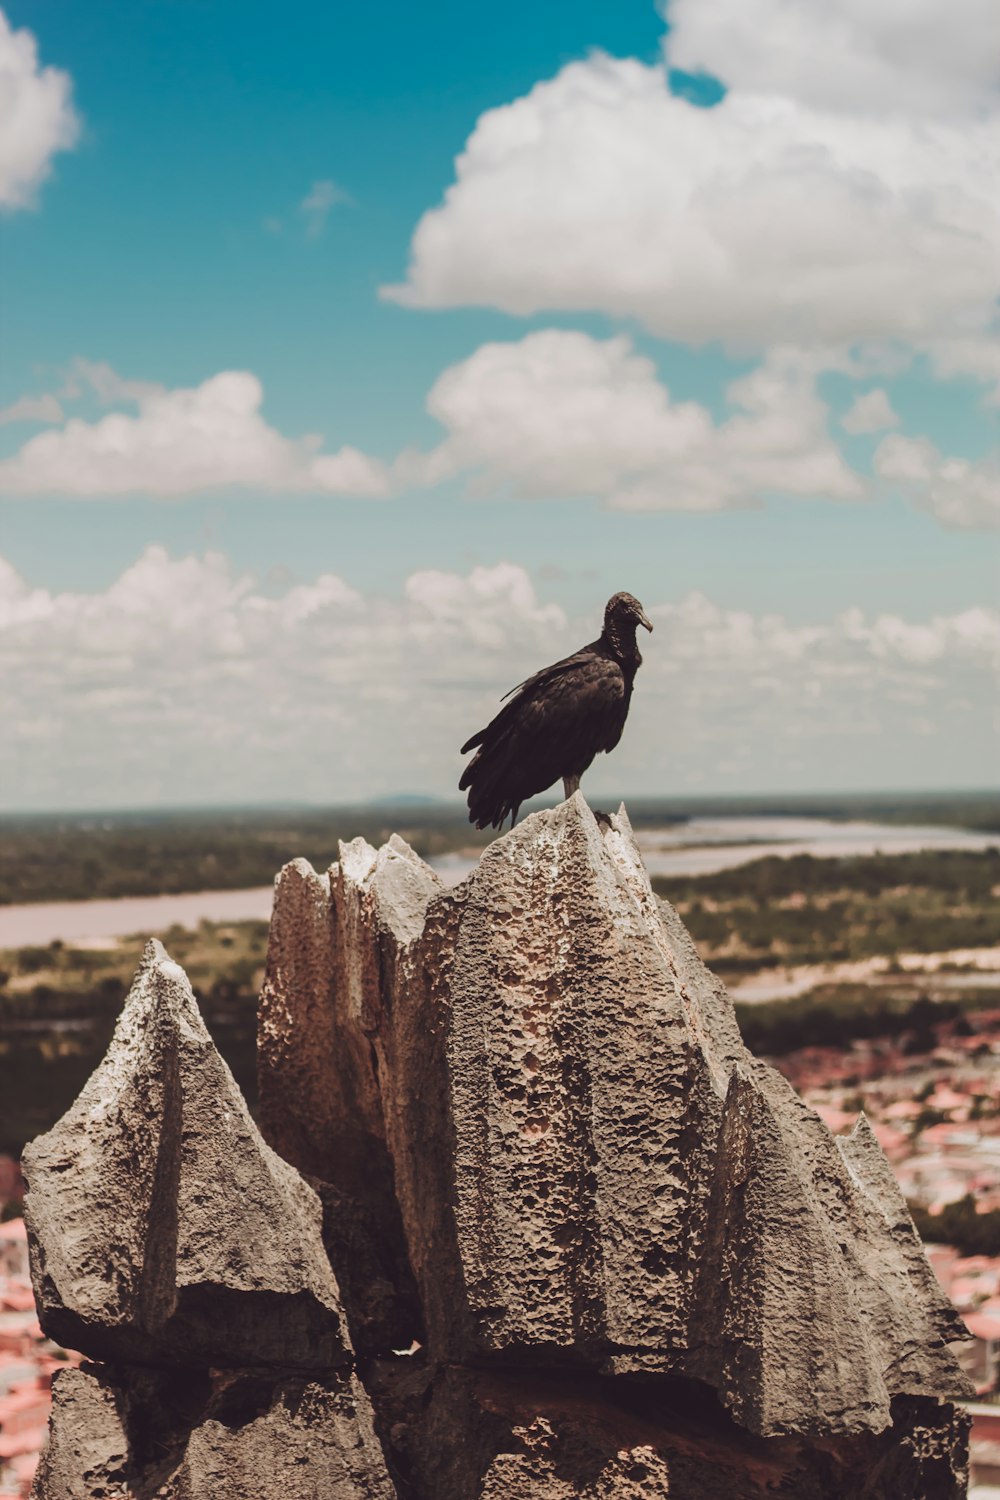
<point>209,189</point>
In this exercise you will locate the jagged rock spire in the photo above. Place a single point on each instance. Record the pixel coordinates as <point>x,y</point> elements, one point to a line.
<point>627,1260</point>
<point>168,1238</point>
<point>591,1167</point>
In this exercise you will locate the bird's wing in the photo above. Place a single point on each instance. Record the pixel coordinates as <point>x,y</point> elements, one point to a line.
<point>554,726</point>
<point>557,669</point>
<point>555,715</point>
<point>529,690</point>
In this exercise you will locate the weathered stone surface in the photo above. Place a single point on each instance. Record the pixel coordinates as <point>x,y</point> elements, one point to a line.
<point>639,1264</point>
<point>86,1452</point>
<point>162,1227</point>
<point>492,1434</point>
<point>332,939</point>
<point>590,1166</point>
<point>333,946</point>
<point>140,1437</point>
<point>813,1302</point>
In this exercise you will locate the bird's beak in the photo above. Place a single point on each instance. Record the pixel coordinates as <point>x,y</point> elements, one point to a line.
<point>646,622</point>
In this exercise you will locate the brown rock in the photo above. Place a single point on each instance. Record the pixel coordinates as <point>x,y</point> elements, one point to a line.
<point>592,1169</point>
<point>163,1229</point>
<point>142,1437</point>
<point>640,1264</point>
<point>493,1434</point>
<point>333,946</point>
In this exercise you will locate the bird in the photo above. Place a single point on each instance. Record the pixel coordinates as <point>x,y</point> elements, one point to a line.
<point>556,721</point>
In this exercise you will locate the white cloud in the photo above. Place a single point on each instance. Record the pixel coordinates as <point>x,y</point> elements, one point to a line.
<point>560,413</point>
<point>37,118</point>
<point>31,409</point>
<point>871,412</point>
<point>960,492</point>
<point>186,680</point>
<point>182,442</point>
<point>110,388</point>
<point>756,700</point>
<point>875,56</point>
<point>766,219</point>
<point>977,357</point>
<point>316,205</point>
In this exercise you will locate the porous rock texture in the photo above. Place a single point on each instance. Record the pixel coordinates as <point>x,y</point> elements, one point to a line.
<point>137,1435</point>
<point>168,1239</point>
<point>595,1179</point>
<point>624,1259</point>
<point>163,1228</point>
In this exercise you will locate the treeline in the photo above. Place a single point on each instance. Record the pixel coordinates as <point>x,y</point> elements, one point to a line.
<point>69,859</point>
<point>806,910</point>
<point>835,1016</point>
<point>59,1004</point>
<point>64,858</point>
<point>960,1225</point>
<point>953,872</point>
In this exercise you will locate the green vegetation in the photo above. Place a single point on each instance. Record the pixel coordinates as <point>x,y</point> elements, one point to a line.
<point>806,910</point>
<point>63,857</point>
<point>55,858</point>
<point>836,1015</point>
<point>59,1004</point>
<point>958,1224</point>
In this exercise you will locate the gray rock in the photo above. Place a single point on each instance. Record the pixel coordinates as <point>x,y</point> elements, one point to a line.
<point>163,1229</point>
<point>124,1434</point>
<point>494,1434</point>
<point>333,945</point>
<point>591,1168</point>
<point>86,1452</point>
<point>331,950</point>
<point>640,1264</point>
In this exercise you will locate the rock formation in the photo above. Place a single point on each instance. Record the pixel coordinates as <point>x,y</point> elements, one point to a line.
<point>170,1241</point>
<point>629,1262</point>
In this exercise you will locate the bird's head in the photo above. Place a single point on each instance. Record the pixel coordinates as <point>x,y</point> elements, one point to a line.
<point>625,612</point>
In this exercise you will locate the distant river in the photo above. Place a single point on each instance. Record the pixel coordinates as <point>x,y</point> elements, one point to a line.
<point>698,847</point>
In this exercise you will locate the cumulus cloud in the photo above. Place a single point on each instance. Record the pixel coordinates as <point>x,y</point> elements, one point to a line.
<point>182,442</point>
<point>977,357</point>
<point>561,413</point>
<point>765,219</point>
<point>103,382</point>
<point>186,679</point>
<point>871,412</point>
<point>37,118</point>
<point>960,492</point>
<point>31,409</point>
<point>858,56</point>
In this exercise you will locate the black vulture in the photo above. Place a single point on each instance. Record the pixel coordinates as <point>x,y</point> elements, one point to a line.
<point>556,721</point>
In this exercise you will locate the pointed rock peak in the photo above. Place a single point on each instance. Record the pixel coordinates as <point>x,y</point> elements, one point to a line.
<point>357,860</point>
<point>299,872</point>
<point>178,1232</point>
<point>398,845</point>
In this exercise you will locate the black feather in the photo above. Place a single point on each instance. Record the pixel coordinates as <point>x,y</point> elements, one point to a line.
<point>556,721</point>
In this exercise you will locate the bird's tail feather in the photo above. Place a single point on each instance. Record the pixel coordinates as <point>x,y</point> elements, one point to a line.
<point>488,778</point>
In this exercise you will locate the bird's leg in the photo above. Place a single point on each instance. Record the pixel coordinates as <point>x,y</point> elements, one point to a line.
<point>571,784</point>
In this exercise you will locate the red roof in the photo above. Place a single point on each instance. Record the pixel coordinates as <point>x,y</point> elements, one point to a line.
<point>985,1325</point>
<point>29,1440</point>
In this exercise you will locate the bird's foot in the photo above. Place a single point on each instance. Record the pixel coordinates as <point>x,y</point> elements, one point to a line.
<point>603,818</point>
